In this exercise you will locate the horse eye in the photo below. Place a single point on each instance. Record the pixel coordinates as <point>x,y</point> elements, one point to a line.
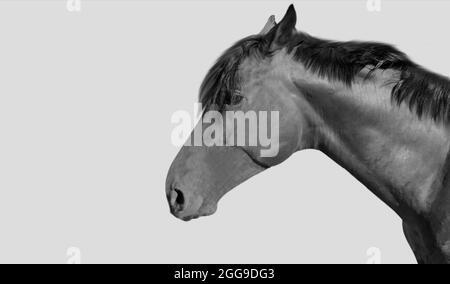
<point>236,99</point>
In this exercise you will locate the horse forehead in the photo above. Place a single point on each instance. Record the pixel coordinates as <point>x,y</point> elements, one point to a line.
<point>254,68</point>
<point>257,70</point>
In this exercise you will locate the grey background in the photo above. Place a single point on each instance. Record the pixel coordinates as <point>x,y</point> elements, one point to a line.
<point>85,105</point>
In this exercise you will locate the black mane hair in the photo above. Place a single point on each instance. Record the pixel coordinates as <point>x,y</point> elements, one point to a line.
<point>425,92</point>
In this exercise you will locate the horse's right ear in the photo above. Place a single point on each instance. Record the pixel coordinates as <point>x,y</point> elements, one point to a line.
<point>282,33</point>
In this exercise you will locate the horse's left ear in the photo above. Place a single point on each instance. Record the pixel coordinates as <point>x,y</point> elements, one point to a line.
<point>282,33</point>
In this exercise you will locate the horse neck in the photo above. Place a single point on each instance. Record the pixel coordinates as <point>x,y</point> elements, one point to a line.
<point>397,155</point>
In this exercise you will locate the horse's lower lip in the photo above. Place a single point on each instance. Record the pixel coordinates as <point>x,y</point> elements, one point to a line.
<point>192,217</point>
<point>189,218</point>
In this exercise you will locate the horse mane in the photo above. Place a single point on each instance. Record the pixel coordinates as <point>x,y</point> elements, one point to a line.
<point>425,92</point>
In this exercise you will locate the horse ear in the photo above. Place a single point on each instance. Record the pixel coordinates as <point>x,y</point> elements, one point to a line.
<point>284,30</point>
<point>269,25</point>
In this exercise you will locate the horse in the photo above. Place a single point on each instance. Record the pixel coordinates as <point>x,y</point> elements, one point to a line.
<point>366,105</point>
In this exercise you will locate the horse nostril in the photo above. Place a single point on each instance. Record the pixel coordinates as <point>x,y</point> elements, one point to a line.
<point>177,200</point>
<point>180,197</point>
